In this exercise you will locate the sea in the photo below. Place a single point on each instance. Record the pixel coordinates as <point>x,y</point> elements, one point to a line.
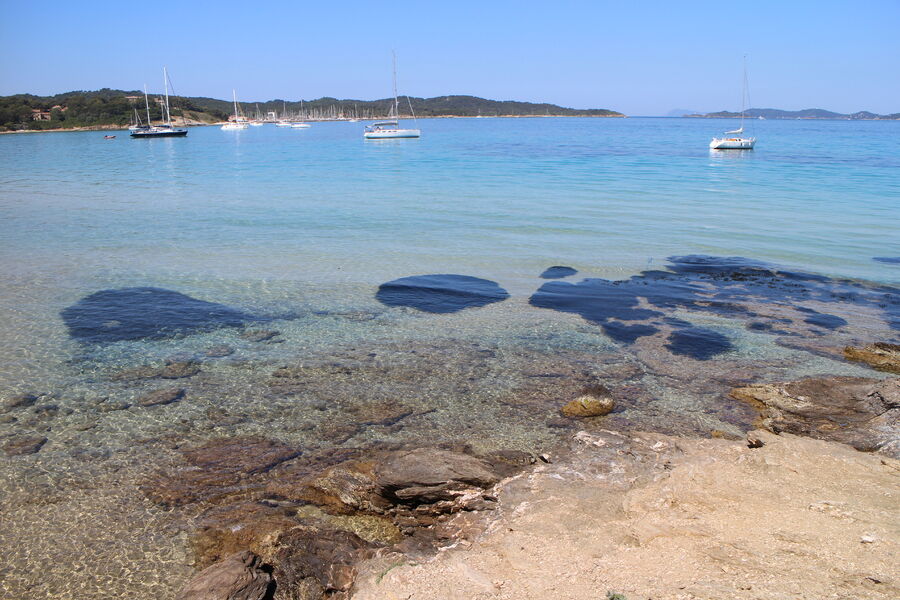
<point>324,291</point>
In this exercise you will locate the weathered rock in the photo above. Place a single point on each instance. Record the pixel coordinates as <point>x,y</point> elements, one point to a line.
<point>342,489</point>
<point>231,528</point>
<point>17,401</point>
<point>24,444</point>
<point>238,577</point>
<point>594,401</point>
<point>427,475</point>
<point>259,335</point>
<point>223,468</point>
<point>861,412</point>
<point>159,397</point>
<point>327,555</point>
<point>219,351</point>
<point>880,355</point>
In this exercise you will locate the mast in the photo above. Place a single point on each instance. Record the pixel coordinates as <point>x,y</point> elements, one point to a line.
<point>744,93</point>
<point>234,97</point>
<point>166,84</point>
<point>147,104</point>
<point>396,102</point>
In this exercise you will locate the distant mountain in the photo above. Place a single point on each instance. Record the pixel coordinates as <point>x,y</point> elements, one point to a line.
<point>681,112</point>
<point>808,113</point>
<point>106,108</point>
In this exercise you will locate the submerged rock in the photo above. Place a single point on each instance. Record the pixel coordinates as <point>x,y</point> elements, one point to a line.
<point>861,412</point>
<point>146,313</point>
<point>318,557</point>
<point>558,272</point>
<point>238,577</point>
<point>17,401</point>
<point>21,445</point>
<point>594,401</point>
<point>219,351</point>
<point>259,335</point>
<point>160,397</point>
<point>440,293</point>
<point>880,355</point>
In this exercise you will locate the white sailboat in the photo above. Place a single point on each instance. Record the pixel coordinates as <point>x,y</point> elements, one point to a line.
<point>240,122</point>
<point>390,129</point>
<point>735,139</point>
<point>155,131</point>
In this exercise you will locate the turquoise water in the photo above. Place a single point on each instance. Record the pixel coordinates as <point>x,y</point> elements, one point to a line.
<point>298,228</point>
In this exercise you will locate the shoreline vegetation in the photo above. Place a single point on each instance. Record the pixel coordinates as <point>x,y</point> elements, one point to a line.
<point>806,113</point>
<point>108,109</point>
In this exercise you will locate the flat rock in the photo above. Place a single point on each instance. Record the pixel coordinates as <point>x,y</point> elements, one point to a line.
<point>861,412</point>
<point>17,401</point>
<point>238,577</point>
<point>880,355</point>
<point>21,445</point>
<point>179,369</point>
<point>326,555</point>
<point>428,474</point>
<point>160,397</point>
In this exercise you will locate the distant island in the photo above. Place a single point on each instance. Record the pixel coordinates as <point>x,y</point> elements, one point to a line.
<point>807,113</point>
<point>107,109</point>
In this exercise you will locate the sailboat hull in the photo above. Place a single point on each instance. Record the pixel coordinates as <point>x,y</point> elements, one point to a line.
<point>732,143</point>
<point>389,134</point>
<point>159,134</point>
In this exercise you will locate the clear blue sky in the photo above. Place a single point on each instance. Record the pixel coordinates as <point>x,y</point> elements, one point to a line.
<point>642,58</point>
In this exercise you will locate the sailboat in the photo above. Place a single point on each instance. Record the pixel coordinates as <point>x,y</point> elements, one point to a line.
<point>390,129</point>
<point>735,139</point>
<point>240,122</point>
<point>155,131</point>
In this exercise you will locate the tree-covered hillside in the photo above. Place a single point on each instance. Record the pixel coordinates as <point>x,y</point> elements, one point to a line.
<point>108,107</point>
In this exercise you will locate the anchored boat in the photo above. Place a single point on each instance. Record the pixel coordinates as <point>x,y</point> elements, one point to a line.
<point>390,128</point>
<point>735,139</point>
<point>158,131</point>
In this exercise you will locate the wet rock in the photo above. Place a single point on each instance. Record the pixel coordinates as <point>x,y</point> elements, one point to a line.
<point>179,369</point>
<point>326,555</point>
<point>259,335</point>
<point>238,577</point>
<point>558,272</point>
<point>219,469</point>
<point>594,401</point>
<point>252,525</point>
<point>219,351</point>
<point>861,412</point>
<point>113,405</point>
<point>379,412</point>
<point>21,445</point>
<point>342,489</point>
<point>880,355</point>
<point>5,419</point>
<point>160,397</point>
<point>17,401</point>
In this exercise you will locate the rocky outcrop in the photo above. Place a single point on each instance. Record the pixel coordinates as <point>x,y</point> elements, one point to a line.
<point>238,577</point>
<point>318,559</point>
<point>861,412</point>
<point>429,475</point>
<point>594,401</point>
<point>880,355</point>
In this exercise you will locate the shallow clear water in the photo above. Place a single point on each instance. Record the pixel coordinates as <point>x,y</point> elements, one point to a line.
<point>300,227</point>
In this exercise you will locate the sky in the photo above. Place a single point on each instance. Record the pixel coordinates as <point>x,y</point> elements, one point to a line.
<point>640,58</point>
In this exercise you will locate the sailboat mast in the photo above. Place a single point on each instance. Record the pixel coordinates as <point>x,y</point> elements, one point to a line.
<point>234,97</point>
<point>166,85</point>
<point>396,102</point>
<point>147,104</point>
<point>744,93</point>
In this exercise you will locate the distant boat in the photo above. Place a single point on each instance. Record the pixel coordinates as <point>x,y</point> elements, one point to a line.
<point>109,137</point>
<point>240,122</point>
<point>300,125</point>
<point>157,131</point>
<point>390,129</point>
<point>736,139</point>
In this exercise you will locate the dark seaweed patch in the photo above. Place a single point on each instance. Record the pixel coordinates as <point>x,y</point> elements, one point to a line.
<point>440,293</point>
<point>826,321</point>
<point>146,313</point>
<point>627,334</point>
<point>724,286</point>
<point>558,272</point>
<point>889,260</point>
<point>698,342</point>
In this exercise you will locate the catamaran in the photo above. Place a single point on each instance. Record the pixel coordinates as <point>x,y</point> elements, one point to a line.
<point>390,129</point>
<point>240,121</point>
<point>156,131</point>
<point>735,139</point>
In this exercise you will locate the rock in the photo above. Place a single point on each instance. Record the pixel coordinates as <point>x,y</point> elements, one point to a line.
<point>326,555</point>
<point>238,577</point>
<point>219,351</point>
<point>113,405</point>
<point>880,355</point>
<point>179,369</point>
<point>428,475</point>
<point>17,401</point>
<point>861,412</point>
<point>219,469</point>
<point>23,444</point>
<point>8,419</point>
<point>159,397</point>
<point>379,412</point>
<point>259,335</point>
<point>594,401</point>
<point>342,489</point>
<point>142,372</point>
<point>253,526</point>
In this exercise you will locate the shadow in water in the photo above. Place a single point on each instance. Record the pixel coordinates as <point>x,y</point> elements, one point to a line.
<point>440,293</point>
